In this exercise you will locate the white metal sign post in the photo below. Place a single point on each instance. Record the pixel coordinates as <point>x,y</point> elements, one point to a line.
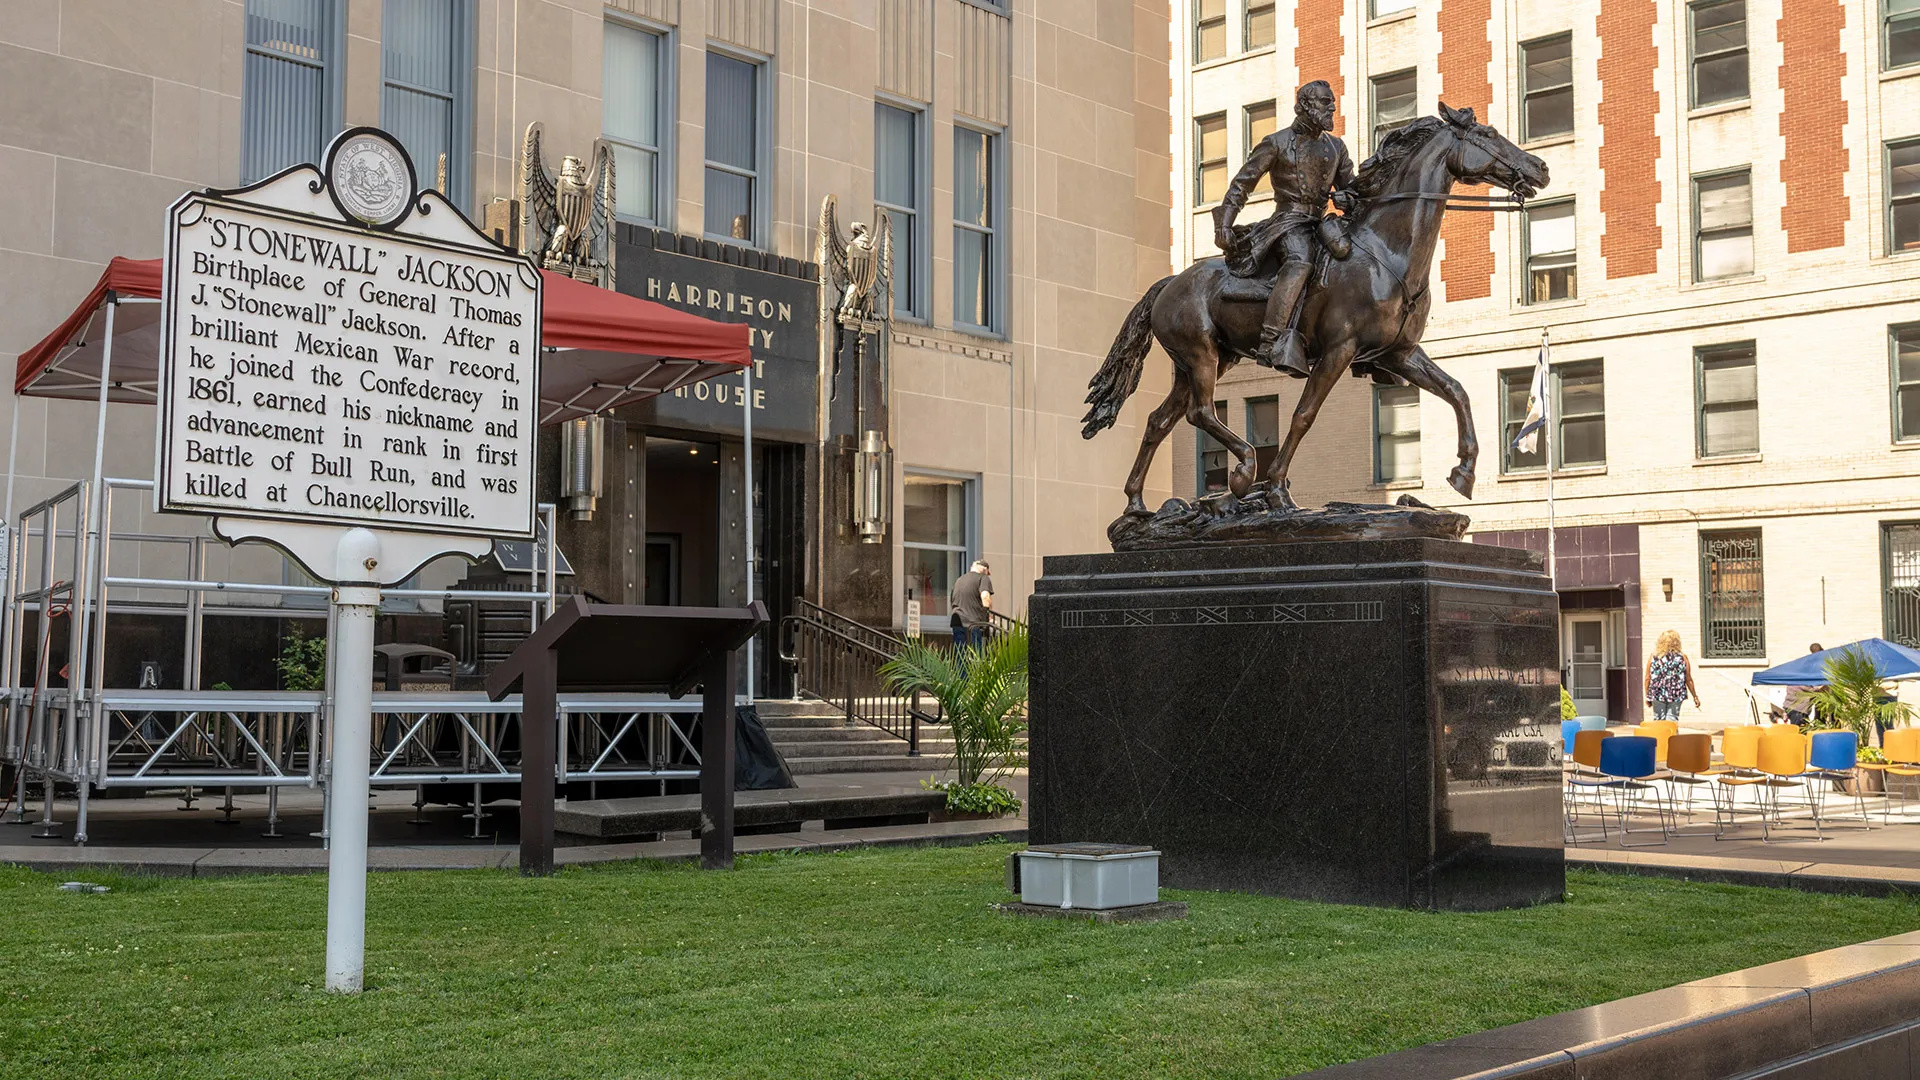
<point>349,372</point>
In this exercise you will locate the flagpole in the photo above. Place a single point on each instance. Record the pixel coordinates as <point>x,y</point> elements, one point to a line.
<point>1546,433</point>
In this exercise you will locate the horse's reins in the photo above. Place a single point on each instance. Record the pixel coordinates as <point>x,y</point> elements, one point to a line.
<point>1486,204</point>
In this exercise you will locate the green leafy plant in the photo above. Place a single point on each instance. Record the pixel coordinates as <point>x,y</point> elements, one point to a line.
<point>1872,755</point>
<point>1854,698</point>
<point>1567,711</point>
<point>302,662</point>
<point>982,691</point>
<point>994,800</point>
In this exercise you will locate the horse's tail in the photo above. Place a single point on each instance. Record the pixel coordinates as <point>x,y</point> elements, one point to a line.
<point>1119,377</point>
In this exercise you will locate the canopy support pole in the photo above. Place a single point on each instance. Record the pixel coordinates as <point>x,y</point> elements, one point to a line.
<point>746,426</point>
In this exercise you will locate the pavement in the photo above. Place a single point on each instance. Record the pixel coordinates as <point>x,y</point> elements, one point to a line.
<point>161,835</point>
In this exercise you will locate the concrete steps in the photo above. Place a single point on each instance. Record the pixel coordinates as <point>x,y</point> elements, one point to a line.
<point>815,739</point>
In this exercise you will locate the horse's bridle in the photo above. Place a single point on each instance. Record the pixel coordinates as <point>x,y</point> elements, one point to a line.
<point>1487,204</point>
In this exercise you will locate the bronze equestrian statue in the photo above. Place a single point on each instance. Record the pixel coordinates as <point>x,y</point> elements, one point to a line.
<point>1364,313</point>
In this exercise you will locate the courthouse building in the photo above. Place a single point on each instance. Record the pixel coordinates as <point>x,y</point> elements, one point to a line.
<point>1020,148</point>
<point>1728,260</point>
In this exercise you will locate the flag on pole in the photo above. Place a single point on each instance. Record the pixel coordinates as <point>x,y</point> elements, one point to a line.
<point>1529,438</point>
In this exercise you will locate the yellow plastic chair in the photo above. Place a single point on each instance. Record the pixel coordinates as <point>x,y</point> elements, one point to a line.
<point>1783,763</point>
<point>1586,777</point>
<point>1689,762</point>
<point>1901,748</point>
<point>1740,769</point>
<point>1661,731</point>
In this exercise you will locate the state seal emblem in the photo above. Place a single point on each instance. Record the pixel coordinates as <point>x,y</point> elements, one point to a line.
<point>370,177</point>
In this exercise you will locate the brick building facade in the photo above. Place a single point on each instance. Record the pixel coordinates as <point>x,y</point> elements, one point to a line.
<point>1728,262</point>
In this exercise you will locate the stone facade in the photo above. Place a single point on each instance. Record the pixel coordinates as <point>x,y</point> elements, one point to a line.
<point>115,109</point>
<point>1831,471</point>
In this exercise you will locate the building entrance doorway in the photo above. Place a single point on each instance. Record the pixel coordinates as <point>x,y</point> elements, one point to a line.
<point>683,523</point>
<point>1584,644</point>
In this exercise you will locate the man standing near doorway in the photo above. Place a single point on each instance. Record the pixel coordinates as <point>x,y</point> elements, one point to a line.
<point>971,599</point>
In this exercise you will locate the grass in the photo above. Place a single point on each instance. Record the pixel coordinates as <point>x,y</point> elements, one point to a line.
<point>878,964</point>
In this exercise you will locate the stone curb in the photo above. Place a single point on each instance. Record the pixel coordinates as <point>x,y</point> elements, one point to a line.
<point>227,862</point>
<point>1802,874</point>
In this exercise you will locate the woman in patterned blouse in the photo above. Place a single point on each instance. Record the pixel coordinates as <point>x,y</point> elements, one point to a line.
<point>1669,678</point>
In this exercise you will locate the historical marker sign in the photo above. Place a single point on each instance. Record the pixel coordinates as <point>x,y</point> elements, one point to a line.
<point>372,370</point>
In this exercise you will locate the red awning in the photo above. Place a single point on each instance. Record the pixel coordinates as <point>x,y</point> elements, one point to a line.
<point>605,348</point>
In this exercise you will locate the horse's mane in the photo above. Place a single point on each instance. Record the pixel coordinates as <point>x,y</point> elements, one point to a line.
<point>1377,170</point>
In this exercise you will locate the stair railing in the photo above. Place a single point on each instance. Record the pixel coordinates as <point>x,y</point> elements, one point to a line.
<point>837,661</point>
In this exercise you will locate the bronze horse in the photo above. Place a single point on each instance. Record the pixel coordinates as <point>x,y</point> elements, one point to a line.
<point>1366,312</point>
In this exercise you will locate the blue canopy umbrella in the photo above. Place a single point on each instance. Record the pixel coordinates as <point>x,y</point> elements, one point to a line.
<point>1890,660</point>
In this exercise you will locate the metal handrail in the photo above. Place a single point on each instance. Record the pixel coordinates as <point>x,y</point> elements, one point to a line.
<point>843,670</point>
<point>872,636</point>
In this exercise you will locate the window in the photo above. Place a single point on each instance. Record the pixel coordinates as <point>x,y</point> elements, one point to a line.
<point>898,188</point>
<point>290,98</point>
<point>1578,414</point>
<point>733,149</point>
<point>1732,596</point>
<point>1213,457</point>
<point>1263,431</point>
<point>1260,24</point>
<point>1394,103</point>
<point>1209,30</point>
<point>1718,41</point>
<point>1390,7</point>
<point>1903,342</point>
<point>1723,226</point>
<point>1210,159</point>
<point>1547,93</point>
<point>1900,33</point>
<point>1552,273</point>
<point>1396,434</point>
<point>1903,196</point>
<point>426,91</point>
<point>1727,390</point>
<point>630,95</point>
<point>977,292</point>
<point>1262,120</point>
<point>1900,578</point>
<point>936,538</point>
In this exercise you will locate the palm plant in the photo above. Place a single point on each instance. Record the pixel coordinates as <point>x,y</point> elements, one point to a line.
<point>1855,698</point>
<point>982,692</point>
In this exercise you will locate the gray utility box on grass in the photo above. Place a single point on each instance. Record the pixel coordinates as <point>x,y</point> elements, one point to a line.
<point>1094,877</point>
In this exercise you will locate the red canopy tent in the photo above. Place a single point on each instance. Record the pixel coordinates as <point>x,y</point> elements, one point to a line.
<point>604,348</point>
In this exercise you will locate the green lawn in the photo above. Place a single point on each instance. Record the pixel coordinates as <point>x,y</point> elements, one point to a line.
<point>878,964</point>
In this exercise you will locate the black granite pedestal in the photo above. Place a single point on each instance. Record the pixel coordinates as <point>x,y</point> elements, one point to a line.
<point>1366,722</point>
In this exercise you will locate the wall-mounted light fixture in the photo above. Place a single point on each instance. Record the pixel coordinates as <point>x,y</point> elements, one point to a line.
<point>1666,588</point>
<point>582,465</point>
<point>872,488</point>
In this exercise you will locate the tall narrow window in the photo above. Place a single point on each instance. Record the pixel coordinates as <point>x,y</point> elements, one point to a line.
<point>1396,434</point>
<point>1516,387</point>
<point>1213,457</point>
<point>976,228</point>
<point>630,82</point>
<point>1900,33</point>
<point>426,87</point>
<point>1262,120</point>
<point>289,97</point>
<point>1395,99</point>
<point>1263,431</point>
<point>897,190</point>
<point>1728,395</point>
<point>1580,414</point>
<point>733,148</point>
<point>1547,68</point>
<point>1209,159</point>
<point>935,538</point>
<point>1718,40</point>
<point>1733,595</point>
<point>1903,196</point>
<point>1209,30</point>
<point>1723,226</point>
<point>1900,577</point>
<point>1903,342</point>
<point>1260,24</point>
<point>1552,273</point>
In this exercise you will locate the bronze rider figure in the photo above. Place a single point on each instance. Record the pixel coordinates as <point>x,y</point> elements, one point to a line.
<point>1306,162</point>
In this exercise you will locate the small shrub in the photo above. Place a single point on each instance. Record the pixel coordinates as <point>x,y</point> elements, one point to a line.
<point>302,662</point>
<point>1567,711</point>
<point>993,799</point>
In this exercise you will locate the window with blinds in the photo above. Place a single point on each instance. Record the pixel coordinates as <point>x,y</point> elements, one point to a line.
<point>733,148</point>
<point>1210,159</point>
<point>289,98</point>
<point>1728,399</point>
<point>897,190</point>
<point>1395,103</point>
<point>1263,119</point>
<point>426,87</point>
<point>1547,87</point>
<point>1552,269</point>
<point>976,227</point>
<point>1903,345</point>
<point>1396,434</point>
<point>1723,226</point>
<point>630,82</point>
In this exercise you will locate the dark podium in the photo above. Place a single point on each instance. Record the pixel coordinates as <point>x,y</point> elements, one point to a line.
<point>1363,721</point>
<point>586,648</point>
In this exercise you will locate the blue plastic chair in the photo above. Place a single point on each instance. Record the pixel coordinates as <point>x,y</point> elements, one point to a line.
<point>1628,761</point>
<point>1591,723</point>
<point>1832,755</point>
<point>1568,729</point>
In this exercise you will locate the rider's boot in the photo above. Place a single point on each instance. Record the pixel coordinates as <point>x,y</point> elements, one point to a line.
<point>1282,347</point>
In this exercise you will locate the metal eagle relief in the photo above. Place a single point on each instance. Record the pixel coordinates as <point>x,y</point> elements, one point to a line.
<point>566,221</point>
<point>858,267</point>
